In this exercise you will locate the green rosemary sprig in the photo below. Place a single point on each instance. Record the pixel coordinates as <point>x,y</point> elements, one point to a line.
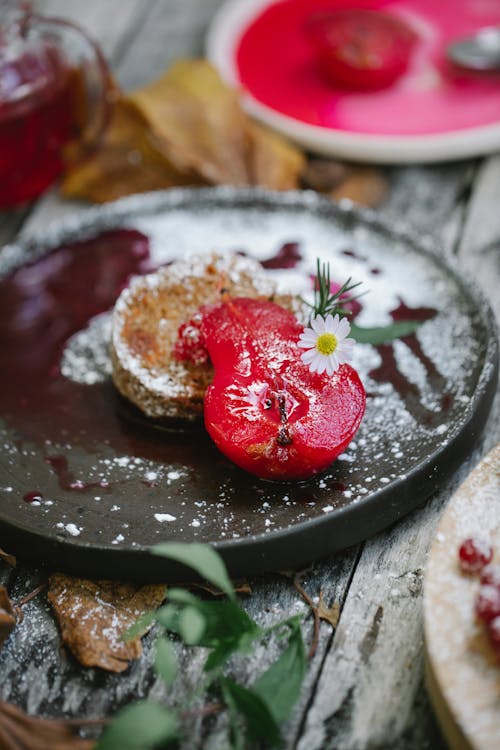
<point>334,303</point>
<point>327,302</point>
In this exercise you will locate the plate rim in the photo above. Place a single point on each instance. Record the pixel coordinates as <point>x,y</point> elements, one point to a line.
<point>234,550</point>
<point>221,39</point>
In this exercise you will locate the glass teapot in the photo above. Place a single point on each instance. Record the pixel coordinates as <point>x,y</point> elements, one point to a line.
<point>55,95</point>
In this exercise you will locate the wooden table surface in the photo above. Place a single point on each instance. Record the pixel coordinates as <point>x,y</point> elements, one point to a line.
<point>364,688</point>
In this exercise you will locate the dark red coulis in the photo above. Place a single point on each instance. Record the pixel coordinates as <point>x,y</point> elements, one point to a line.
<point>41,305</point>
<point>288,256</point>
<point>388,371</point>
<point>67,480</point>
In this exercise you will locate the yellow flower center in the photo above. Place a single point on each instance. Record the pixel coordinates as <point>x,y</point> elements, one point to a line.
<point>326,343</point>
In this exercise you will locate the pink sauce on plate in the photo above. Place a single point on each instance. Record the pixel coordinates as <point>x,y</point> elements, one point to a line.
<point>276,66</point>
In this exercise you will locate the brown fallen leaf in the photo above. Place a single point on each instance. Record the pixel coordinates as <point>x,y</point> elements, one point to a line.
<point>330,614</point>
<point>365,186</point>
<point>94,615</point>
<point>9,559</point>
<point>19,731</point>
<point>129,160</point>
<point>324,175</point>
<point>273,162</point>
<point>8,617</point>
<point>198,120</point>
<point>186,128</point>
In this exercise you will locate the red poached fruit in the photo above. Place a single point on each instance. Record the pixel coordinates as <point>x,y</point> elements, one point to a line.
<point>360,49</point>
<point>265,410</point>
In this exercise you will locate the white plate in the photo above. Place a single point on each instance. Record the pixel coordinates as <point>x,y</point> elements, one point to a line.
<point>222,40</point>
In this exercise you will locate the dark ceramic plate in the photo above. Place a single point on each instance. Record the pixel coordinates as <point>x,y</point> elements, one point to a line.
<point>88,484</point>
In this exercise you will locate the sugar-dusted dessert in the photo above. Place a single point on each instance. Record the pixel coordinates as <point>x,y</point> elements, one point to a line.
<point>147,367</point>
<point>204,335</point>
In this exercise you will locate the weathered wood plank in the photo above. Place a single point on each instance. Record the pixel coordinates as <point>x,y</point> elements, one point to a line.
<point>172,29</point>
<point>479,246</point>
<point>482,227</point>
<point>110,24</point>
<point>479,255</point>
<point>370,692</point>
<point>63,687</point>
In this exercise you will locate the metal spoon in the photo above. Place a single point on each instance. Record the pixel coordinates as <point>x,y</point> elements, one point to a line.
<point>480,51</point>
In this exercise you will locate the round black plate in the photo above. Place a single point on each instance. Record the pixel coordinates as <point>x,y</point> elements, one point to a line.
<point>108,496</point>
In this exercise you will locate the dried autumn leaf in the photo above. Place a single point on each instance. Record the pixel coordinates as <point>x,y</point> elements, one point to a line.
<point>129,160</point>
<point>9,559</point>
<point>324,175</point>
<point>19,731</point>
<point>330,614</point>
<point>273,162</point>
<point>198,120</point>
<point>94,615</point>
<point>8,616</point>
<point>365,186</point>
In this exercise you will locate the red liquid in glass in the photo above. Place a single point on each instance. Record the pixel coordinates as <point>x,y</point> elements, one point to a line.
<point>36,122</point>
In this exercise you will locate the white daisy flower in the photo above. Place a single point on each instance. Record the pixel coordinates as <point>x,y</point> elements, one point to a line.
<point>327,344</point>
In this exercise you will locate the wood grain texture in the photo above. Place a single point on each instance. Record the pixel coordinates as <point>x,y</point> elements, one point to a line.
<point>364,689</point>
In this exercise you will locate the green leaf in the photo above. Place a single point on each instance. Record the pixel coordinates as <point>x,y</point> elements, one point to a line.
<point>165,660</point>
<point>181,596</point>
<point>259,721</point>
<point>242,644</point>
<point>279,686</point>
<point>201,558</point>
<point>191,625</point>
<point>140,726</point>
<point>168,616</point>
<point>225,621</point>
<point>140,626</point>
<point>383,334</point>
<point>236,733</point>
<point>228,629</point>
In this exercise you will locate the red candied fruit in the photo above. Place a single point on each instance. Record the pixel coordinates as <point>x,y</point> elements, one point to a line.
<point>488,603</point>
<point>360,48</point>
<point>474,554</point>
<point>265,410</point>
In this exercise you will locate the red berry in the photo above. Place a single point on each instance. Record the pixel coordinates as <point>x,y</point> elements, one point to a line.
<point>190,344</point>
<point>474,554</point>
<point>488,603</point>
<point>491,574</point>
<point>265,409</point>
<point>360,48</point>
<point>494,633</point>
